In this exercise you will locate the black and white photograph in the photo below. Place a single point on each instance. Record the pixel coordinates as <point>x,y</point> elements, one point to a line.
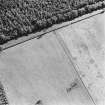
<point>52,52</point>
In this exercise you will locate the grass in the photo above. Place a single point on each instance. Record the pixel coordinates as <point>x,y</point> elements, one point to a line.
<point>21,17</point>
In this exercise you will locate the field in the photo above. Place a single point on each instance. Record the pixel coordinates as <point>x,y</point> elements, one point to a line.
<point>22,17</point>
<point>85,41</point>
<point>45,71</point>
<point>40,70</point>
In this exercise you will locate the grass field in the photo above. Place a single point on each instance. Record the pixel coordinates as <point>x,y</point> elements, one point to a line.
<point>22,17</point>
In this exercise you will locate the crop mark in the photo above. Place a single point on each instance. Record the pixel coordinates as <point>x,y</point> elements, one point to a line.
<point>72,86</point>
<point>39,102</point>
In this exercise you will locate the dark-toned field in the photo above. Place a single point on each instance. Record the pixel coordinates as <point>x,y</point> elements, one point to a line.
<point>22,17</point>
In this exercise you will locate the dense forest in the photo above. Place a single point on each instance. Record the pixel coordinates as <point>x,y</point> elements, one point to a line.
<point>21,17</point>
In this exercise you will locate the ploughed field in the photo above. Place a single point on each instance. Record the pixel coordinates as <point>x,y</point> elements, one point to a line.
<point>22,17</point>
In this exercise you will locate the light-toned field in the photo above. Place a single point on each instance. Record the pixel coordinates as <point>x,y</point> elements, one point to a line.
<point>85,43</point>
<point>40,70</point>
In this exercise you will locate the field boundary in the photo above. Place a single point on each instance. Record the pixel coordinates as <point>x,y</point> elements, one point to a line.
<point>38,35</point>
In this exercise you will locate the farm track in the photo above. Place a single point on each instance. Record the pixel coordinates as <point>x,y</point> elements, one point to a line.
<point>38,35</point>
